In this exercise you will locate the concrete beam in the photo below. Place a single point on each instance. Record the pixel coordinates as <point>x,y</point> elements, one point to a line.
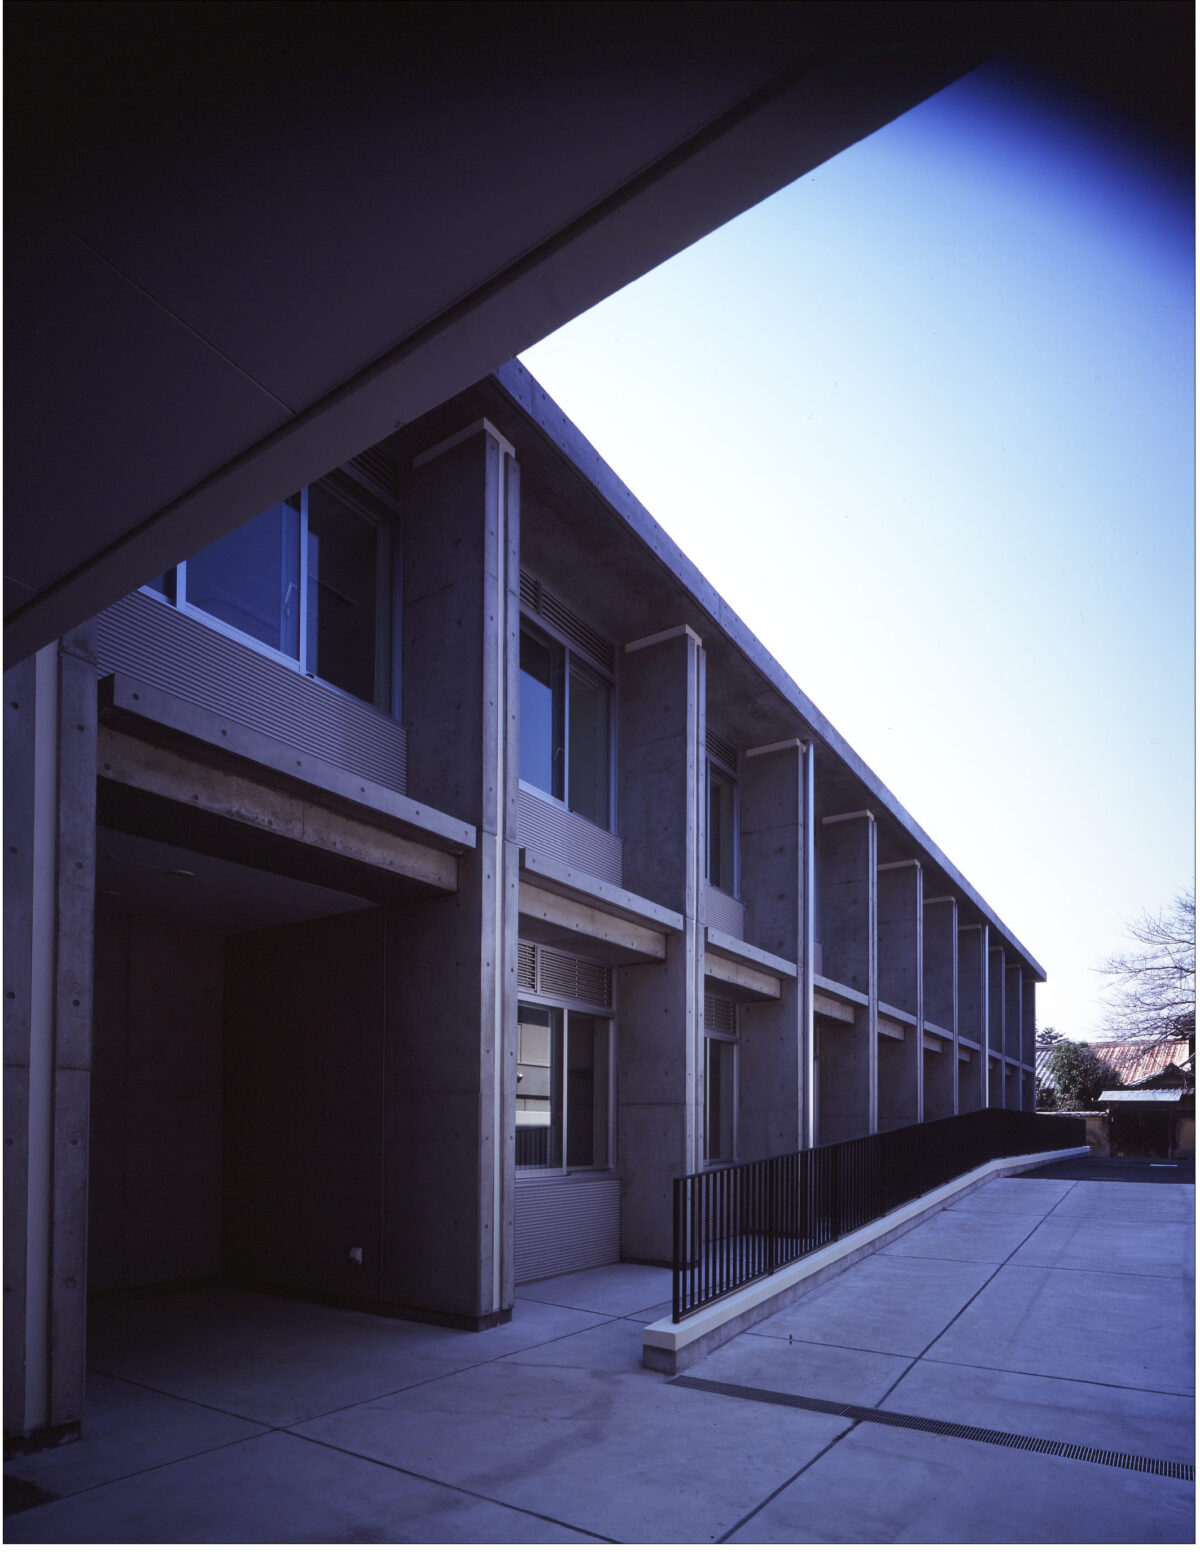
<point>741,979</point>
<point>560,878</point>
<point>633,942</point>
<point>261,819</point>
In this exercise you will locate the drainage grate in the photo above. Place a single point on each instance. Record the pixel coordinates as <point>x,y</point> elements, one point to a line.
<point>1012,1441</point>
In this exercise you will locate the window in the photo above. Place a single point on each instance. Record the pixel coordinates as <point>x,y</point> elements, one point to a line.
<point>564,1084</point>
<point>722,829</point>
<point>310,582</point>
<point>720,1079</point>
<point>566,727</point>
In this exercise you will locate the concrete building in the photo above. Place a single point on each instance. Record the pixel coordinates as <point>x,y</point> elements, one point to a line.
<point>403,890</point>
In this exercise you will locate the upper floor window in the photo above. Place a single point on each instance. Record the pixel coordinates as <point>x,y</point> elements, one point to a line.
<point>722,828</point>
<point>566,726</point>
<point>310,581</point>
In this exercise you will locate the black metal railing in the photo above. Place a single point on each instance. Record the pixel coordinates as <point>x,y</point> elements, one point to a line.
<point>737,1224</point>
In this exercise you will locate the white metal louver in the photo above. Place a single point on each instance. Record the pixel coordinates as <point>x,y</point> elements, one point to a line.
<point>541,601</point>
<point>720,1015</point>
<point>380,468</point>
<point>552,973</point>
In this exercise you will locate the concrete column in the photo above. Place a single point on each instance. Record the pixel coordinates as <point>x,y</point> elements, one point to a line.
<point>973,1015</point>
<point>849,1055</point>
<point>941,1004</point>
<point>775,1040</point>
<point>660,1028</point>
<point>901,957</point>
<point>50,848</point>
<point>997,1001</point>
<point>1028,1042</point>
<point>450,1049</point>
<point>1012,1034</point>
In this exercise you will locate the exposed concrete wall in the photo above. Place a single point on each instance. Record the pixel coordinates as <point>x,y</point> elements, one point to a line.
<point>447,1146</point>
<point>50,807</point>
<point>997,1003</point>
<point>848,1085</point>
<point>661,1006</point>
<point>973,1015</point>
<point>154,1208</point>
<point>901,923</point>
<point>940,988</point>
<point>774,1062</point>
<point>303,1062</point>
<point>1013,1032</point>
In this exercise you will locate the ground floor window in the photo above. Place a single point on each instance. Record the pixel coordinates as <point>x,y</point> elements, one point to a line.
<point>564,1087</point>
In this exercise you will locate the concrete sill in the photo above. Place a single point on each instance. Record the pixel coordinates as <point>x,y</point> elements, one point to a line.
<point>671,1348</point>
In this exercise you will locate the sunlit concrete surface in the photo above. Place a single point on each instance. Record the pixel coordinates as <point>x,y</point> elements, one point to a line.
<point>1057,1310</point>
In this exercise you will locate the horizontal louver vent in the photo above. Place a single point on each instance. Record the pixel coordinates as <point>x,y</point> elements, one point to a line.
<point>555,974</point>
<point>541,601</point>
<point>380,468</point>
<point>720,750</point>
<point>720,1015</point>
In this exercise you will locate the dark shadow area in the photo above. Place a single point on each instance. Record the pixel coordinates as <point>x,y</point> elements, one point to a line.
<point>19,1496</point>
<point>1176,1172</point>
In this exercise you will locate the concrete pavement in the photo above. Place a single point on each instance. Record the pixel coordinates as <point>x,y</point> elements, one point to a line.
<point>1043,1309</point>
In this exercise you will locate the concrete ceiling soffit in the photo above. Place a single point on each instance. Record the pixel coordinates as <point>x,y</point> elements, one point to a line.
<point>233,267</point>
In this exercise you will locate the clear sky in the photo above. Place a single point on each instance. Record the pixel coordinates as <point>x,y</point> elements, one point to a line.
<point>926,419</point>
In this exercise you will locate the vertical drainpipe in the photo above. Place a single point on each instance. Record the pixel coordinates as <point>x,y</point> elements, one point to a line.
<point>808,1028</point>
<point>985,1039</point>
<point>695,843</point>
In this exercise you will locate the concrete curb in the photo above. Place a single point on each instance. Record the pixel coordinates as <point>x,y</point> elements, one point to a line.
<point>671,1348</point>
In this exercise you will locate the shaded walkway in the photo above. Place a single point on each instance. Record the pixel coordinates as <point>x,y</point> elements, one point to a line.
<point>1060,1310</point>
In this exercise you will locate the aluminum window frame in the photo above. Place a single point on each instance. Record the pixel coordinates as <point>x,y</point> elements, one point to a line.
<point>567,1006</point>
<point>535,625</point>
<point>711,764</point>
<point>734,1042</point>
<point>383,513</point>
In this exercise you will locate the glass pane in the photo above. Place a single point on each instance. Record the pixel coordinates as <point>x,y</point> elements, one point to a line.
<point>722,792</point>
<point>587,1091</point>
<point>539,1088</point>
<point>588,766</point>
<point>719,1120</point>
<point>541,714</point>
<point>251,578</point>
<point>342,547</point>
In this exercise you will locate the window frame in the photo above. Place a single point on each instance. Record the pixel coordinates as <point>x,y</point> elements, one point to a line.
<point>566,1006</point>
<point>536,626</point>
<point>733,1041</point>
<point>383,513</point>
<point>711,764</point>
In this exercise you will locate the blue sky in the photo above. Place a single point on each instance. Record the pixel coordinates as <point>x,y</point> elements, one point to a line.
<point>926,418</point>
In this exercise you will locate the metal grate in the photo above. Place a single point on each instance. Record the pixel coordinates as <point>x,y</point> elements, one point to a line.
<point>1014,1441</point>
<point>720,1015</point>
<point>541,601</point>
<point>380,468</point>
<point>555,974</point>
<point>721,750</point>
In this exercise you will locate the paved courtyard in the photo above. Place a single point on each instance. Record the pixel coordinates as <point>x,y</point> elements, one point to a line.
<point>1033,1310</point>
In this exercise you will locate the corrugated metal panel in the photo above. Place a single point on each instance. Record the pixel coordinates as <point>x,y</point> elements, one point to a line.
<point>721,750</point>
<point>571,626</point>
<point>566,1225</point>
<point>526,967</point>
<point>724,913</point>
<point>566,837</point>
<point>379,467</point>
<point>720,1015</point>
<point>151,640</point>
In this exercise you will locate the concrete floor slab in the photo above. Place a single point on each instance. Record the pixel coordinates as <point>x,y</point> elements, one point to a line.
<point>883,1304</point>
<point>613,1347</point>
<point>1108,1328</point>
<point>275,1361</point>
<point>129,1429</point>
<point>1134,1201</point>
<point>277,1488</point>
<point>966,1236</point>
<point>881,1484</point>
<point>1106,1417</point>
<point>626,1456</point>
<point>1013,1194</point>
<point>624,1289</point>
<point>802,1368</point>
<point>1146,1246</point>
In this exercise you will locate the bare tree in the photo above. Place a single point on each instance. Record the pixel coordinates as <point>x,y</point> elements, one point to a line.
<point>1152,990</point>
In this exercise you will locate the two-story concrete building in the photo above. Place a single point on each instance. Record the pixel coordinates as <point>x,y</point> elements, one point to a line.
<point>406,888</point>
